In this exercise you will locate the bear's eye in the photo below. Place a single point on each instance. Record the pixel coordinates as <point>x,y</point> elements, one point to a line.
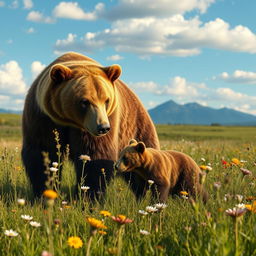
<point>84,103</point>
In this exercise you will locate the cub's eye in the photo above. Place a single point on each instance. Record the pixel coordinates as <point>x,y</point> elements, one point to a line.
<point>125,160</point>
<point>84,103</point>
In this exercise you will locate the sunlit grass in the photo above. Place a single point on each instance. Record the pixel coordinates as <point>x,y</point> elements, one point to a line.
<point>184,227</point>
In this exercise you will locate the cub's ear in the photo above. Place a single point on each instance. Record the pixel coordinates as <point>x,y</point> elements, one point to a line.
<point>60,73</point>
<point>132,141</point>
<point>113,72</point>
<point>140,147</point>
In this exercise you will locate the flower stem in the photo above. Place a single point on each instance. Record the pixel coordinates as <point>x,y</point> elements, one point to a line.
<point>120,240</point>
<point>236,236</point>
<point>89,246</point>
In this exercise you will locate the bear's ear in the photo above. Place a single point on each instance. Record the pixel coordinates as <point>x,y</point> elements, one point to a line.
<point>60,73</point>
<point>140,147</point>
<point>132,141</point>
<point>113,72</point>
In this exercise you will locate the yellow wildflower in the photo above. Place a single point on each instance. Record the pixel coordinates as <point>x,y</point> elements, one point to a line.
<point>184,193</point>
<point>203,167</point>
<point>50,194</point>
<point>95,223</point>
<point>105,213</point>
<point>75,242</point>
<point>235,161</point>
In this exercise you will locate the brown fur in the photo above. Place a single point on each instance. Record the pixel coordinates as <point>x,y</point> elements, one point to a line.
<point>54,102</point>
<point>170,170</point>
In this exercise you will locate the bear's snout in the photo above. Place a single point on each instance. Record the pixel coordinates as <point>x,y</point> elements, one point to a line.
<point>103,128</point>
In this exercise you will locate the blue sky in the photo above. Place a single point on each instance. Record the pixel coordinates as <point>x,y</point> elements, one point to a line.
<point>186,50</point>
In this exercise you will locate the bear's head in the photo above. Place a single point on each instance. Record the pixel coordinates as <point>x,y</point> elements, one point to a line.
<point>131,157</point>
<point>82,96</point>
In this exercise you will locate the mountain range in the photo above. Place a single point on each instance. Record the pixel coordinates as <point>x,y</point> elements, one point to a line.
<point>193,113</point>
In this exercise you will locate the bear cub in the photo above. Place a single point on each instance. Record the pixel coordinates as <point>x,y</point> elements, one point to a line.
<point>170,170</point>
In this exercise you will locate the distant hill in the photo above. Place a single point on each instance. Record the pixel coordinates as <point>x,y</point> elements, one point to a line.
<point>9,111</point>
<point>193,113</point>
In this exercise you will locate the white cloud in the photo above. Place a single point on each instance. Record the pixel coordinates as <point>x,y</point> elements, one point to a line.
<point>30,30</point>
<point>127,9</point>
<point>173,36</point>
<point>36,68</point>
<point>144,86</point>
<point>14,4</point>
<point>239,76</point>
<point>11,79</point>
<point>28,4</point>
<point>181,90</point>
<point>2,3</point>
<point>8,102</point>
<point>115,57</point>
<point>71,10</point>
<point>36,16</point>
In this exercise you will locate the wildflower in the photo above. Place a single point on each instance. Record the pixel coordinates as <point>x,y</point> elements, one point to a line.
<point>64,203</point>
<point>45,253</point>
<point>225,164</point>
<point>236,212</point>
<point>251,198</point>
<point>160,206</point>
<point>240,206</point>
<point>55,164</point>
<point>245,171</point>
<point>95,223</point>
<point>217,184</point>
<point>50,194</point>
<point>184,193</point>
<point>151,209</point>
<point>53,169</point>
<point>251,207</point>
<point>102,232</point>
<point>35,224</point>
<point>151,182</point>
<point>144,232</point>
<point>11,233</point>
<point>75,242</point>
<point>57,222</point>
<point>202,159</point>
<point>121,219</point>
<point>239,198</point>
<point>85,158</point>
<point>21,201</point>
<point>26,217</point>
<point>144,213</point>
<point>188,228</point>
<point>235,161</point>
<point>205,167</point>
<point>85,188</point>
<point>105,213</point>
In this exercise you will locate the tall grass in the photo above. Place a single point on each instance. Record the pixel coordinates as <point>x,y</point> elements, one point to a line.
<point>183,228</point>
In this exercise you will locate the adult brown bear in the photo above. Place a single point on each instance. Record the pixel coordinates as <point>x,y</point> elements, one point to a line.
<point>93,111</point>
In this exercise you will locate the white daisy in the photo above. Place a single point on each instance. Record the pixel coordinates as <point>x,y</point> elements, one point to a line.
<point>11,233</point>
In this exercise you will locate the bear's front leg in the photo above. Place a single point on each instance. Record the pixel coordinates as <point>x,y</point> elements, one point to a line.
<point>35,169</point>
<point>94,174</point>
<point>161,191</point>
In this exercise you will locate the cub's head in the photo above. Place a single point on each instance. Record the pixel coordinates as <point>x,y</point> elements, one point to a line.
<point>82,96</point>
<point>131,157</point>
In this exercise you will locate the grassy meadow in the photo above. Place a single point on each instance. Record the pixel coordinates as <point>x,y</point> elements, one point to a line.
<point>184,227</point>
